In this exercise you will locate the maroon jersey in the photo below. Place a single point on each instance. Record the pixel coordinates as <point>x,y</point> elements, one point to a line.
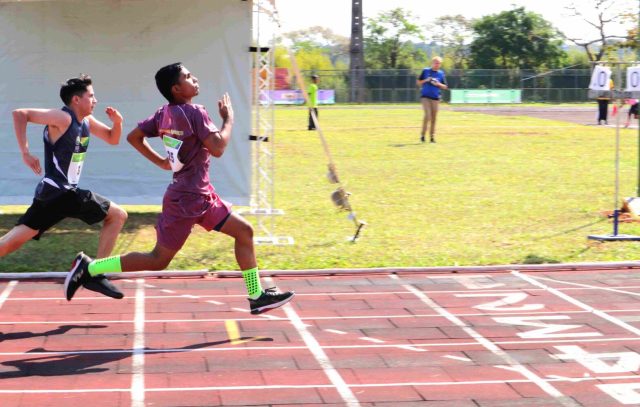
<point>183,127</point>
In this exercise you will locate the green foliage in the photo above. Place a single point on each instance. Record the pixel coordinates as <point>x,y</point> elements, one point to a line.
<point>282,58</point>
<point>577,59</point>
<point>334,45</point>
<point>313,60</point>
<point>515,39</point>
<point>389,41</point>
<point>317,50</point>
<point>452,32</point>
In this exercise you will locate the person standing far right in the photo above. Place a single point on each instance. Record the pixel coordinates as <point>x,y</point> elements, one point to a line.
<point>312,91</point>
<point>603,106</point>
<point>432,81</point>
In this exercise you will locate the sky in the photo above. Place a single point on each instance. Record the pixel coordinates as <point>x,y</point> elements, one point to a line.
<point>336,14</point>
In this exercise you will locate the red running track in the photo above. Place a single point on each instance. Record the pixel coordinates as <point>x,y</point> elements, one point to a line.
<point>493,339</point>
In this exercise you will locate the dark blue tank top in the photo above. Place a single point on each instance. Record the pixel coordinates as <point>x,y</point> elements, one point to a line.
<point>63,160</point>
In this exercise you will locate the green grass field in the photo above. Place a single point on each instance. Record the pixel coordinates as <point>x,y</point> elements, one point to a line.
<point>493,190</point>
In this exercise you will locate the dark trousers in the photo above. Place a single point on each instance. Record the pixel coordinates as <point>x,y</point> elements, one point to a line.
<point>603,108</point>
<point>312,125</point>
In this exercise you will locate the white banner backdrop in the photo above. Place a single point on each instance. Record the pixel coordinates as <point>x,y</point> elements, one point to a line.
<point>121,44</point>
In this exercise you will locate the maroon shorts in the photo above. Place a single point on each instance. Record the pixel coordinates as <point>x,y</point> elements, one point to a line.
<point>181,211</point>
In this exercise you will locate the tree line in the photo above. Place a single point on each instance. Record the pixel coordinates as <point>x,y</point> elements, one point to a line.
<point>512,39</point>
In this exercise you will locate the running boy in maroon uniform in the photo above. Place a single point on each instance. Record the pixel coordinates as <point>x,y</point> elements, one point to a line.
<point>190,138</point>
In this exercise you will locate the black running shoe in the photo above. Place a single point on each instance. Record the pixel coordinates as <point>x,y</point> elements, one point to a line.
<point>422,139</point>
<point>77,276</point>
<point>271,298</point>
<point>433,139</point>
<point>102,285</point>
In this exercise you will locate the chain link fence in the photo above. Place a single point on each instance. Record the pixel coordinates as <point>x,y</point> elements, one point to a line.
<point>399,85</point>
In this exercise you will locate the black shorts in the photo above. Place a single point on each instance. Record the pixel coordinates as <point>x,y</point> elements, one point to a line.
<point>81,204</point>
<point>633,109</point>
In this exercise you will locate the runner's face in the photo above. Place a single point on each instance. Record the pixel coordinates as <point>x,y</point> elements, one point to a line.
<point>188,84</point>
<point>435,65</point>
<point>86,102</point>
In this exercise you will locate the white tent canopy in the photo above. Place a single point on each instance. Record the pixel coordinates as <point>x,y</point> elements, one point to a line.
<point>122,44</point>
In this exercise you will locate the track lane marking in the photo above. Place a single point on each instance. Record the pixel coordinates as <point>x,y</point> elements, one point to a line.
<point>137,362</point>
<point>559,379</point>
<point>578,303</point>
<point>487,344</point>
<point>319,355</point>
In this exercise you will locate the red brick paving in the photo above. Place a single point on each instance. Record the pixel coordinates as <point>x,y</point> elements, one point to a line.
<point>454,369</point>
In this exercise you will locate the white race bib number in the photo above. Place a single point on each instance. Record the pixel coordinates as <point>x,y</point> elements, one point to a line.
<point>75,168</point>
<point>172,147</point>
<point>633,78</point>
<point>600,78</point>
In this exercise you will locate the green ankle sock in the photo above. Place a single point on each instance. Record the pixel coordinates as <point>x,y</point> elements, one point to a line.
<point>107,265</point>
<point>252,281</point>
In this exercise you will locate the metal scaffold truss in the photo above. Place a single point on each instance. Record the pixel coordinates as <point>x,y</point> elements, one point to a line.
<point>263,118</point>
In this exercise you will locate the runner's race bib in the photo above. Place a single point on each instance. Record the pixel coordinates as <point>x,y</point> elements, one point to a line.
<point>172,146</point>
<point>75,168</point>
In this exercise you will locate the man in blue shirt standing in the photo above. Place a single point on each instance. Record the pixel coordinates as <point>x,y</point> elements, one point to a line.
<point>432,81</point>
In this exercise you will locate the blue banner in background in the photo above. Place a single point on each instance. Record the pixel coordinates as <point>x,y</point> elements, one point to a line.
<point>295,97</point>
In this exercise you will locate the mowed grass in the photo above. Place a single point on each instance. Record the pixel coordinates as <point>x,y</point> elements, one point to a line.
<point>492,190</point>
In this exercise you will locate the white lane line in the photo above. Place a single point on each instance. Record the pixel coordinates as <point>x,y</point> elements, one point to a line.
<point>137,379</point>
<point>167,291</point>
<point>215,302</point>
<point>7,291</point>
<point>320,356</point>
<point>457,358</point>
<point>578,303</point>
<point>311,318</point>
<point>490,346</point>
<point>150,286</point>
<point>273,317</point>
<point>325,294</point>
<point>335,331</point>
<point>189,296</point>
<point>374,340</point>
<point>569,379</point>
<point>558,379</point>
<point>591,287</point>
<point>408,347</point>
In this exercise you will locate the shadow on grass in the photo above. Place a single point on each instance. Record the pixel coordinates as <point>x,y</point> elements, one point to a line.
<point>65,363</point>
<point>535,259</point>
<point>406,144</point>
<point>564,232</point>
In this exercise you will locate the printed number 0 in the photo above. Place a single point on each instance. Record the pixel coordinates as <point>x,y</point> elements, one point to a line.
<point>602,78</point>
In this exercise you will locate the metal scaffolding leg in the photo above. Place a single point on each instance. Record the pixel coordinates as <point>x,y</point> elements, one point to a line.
<point>263,119</point>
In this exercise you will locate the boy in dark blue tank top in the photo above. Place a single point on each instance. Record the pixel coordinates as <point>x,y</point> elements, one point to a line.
<point>57,196</point>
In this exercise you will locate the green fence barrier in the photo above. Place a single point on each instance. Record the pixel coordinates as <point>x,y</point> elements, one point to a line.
<point>486,96</point>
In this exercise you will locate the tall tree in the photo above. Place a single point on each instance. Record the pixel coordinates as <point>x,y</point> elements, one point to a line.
<point>604,16</point>
<point>453,33</point>
<point>515,38</point>
<point>334,45</point>
<point>389,40</point>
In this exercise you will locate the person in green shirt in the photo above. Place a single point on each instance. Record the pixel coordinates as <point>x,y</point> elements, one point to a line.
<point>312,91</point>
